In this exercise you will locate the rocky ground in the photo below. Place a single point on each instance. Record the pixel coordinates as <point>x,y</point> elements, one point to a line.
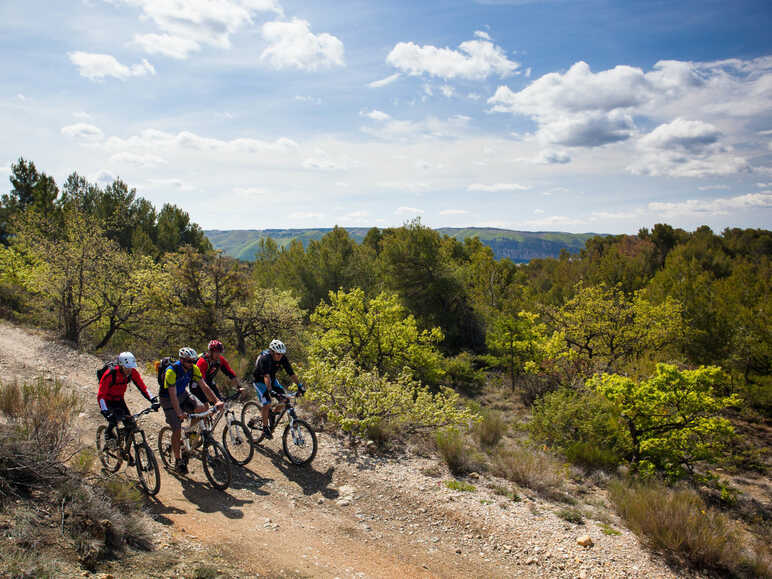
<point>350,514</point>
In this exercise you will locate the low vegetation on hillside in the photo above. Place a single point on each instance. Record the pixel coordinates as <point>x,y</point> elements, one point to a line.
<point>641,355</point>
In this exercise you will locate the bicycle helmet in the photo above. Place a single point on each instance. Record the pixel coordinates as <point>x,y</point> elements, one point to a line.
<point>188,354</point>
<point>277,346</point>
<point>216,346</point>
<point>127,360</point>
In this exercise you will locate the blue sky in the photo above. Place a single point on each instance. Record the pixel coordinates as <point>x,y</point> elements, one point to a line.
<point>571,115</point>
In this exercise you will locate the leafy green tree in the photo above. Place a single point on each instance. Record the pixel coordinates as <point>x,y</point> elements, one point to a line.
<point>517,344</point>
<point>672,418</point>
<point>606,331</point>
<point>377,334</point>
<point>176,230</point>
<point>30,190</point>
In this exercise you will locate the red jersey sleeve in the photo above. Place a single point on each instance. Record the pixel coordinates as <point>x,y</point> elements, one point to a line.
<point>226,368</point>
<point>203,365</point>
<point>137,379</point>
<point>104,384</point>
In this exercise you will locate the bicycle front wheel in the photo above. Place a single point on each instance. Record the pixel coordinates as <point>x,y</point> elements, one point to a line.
<point>109,451</point>
<point>217,465</point>
<point>147,469</point>
<point>237,441</point>
<point>165,447</point>
<point>252,418</point>
<point>299,442</point>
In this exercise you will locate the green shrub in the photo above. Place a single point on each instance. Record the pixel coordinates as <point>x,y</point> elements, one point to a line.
<point>529,468</point>
<point>458,485</point>
<point>584,425</point>
<point>679,521</point>
<point>462,375</point>
<point>503,491</point>
<point>608,530</point>
<point>571,515</point>
<point>490,429</point>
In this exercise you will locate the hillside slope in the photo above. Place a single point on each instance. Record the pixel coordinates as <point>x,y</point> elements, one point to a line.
<point>519,246</point>
<point>348,515</point>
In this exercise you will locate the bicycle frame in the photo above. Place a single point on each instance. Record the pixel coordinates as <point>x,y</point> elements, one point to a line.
<point>128,434</point>
<point>204,427</point>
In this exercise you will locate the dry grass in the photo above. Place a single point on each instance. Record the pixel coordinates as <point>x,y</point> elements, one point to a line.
<point>456,451</point>
<point>533,469</point>
<point>679,522</point>
<point>490,430</point>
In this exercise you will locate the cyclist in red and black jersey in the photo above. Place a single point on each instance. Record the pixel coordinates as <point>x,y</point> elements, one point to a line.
<point>112,388</point>
<point>210,362</point>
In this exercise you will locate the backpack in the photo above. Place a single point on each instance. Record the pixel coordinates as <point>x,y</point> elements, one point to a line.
<point>111,365</point>
<point>162,365</point>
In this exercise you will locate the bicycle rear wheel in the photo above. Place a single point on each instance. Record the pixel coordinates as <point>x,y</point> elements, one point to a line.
<point>237,440</point>
<point>109,454</point>
<point>217,465</point>
<point>147,469</point>
<point>299,442</point>
<point>165,447</point>
<point>252,418</point>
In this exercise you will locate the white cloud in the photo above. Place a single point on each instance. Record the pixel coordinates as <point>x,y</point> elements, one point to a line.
<point>474,60</point>
<point>447,90</point>
<point>497,187</point>
<point>83,131</point>
<point>178,47</point>
<point>138,159</point>
<point>186,25</point>
<point>685,148</point>
<point>454,212</point>
<point>375,115</point>
<point>712,187</point>
<point>474,96</point>
<point>719,206</point>
<point>308,99</point>
<point>98,66</point>
<point>581,108</point>
<point>82,115</point>
<point>102,177</point>
<point>153,141</point>
<point>21,98</point>
<point>293,45</point>
<point>173,183</point>
<point>482,34</point>
<point>429,128</point>
<point>553,157</point>
<point>682,134</point>
<point>384,81</point>
<point>408,211</point>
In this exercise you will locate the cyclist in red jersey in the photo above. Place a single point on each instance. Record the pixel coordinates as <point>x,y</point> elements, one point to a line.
<point>210,362</point>
<point>112,388</point>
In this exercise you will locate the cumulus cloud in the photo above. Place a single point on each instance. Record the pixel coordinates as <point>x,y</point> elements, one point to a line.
<point>375,115</point>
<point>497,187</point>
<point>474,60</point>
<point>185,25</point>
<point>95,66</point>
<point>102,177</point>
<point>581,108</point>
<point>447,90</point>
<point>384,81</point>
<point>684,148</point>
<point>482,34</point>
<point>83,132</point>
<point>718,206</point>
<point>293,45</point>
<point>553,157</point>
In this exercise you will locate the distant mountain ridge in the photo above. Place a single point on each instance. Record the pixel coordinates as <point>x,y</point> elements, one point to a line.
<point>519,246</point>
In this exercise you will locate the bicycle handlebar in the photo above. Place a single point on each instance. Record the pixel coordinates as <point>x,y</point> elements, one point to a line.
<point>204,414</point>
<point>143,412</point>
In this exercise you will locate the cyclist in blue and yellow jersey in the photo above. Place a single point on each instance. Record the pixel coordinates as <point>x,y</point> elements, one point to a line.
<point>177,401</point>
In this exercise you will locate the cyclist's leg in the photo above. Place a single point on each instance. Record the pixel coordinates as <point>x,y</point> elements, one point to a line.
<point>196,391</point>
<point>265,405</point>
<point>119,412</point>
<point>174,423</point>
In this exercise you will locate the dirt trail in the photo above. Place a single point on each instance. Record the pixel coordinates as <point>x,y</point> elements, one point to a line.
<point>347,515</point>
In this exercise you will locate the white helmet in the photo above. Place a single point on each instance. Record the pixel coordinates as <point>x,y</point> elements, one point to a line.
<point>127,360</point>
<point>188,354</point>
<point>278,347</point>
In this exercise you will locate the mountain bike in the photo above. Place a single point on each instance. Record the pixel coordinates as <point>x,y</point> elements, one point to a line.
<point>298,440</point>
<point>217,464</point>
<point>113,451</point>
<point>236,438</point>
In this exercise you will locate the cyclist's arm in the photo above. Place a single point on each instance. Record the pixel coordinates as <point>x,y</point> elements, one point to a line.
<point>208,391</point>
<point>138,382</point>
